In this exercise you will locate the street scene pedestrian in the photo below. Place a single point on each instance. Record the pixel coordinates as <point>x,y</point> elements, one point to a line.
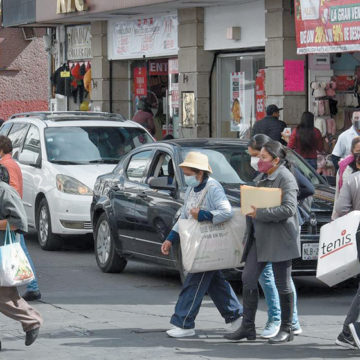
<point>179,179</point>
<point>11,304</point>
<point>205,200</point>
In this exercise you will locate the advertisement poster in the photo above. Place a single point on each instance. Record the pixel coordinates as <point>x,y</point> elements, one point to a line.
<point>260,94</point>
<point>175,96</point>
<point>149,36</point>
<point>188,110</point>
<point>140,84</point>
<point>325,26</point>
<point>237,100</point>
<point>294,75</point>
<point>78,42</point>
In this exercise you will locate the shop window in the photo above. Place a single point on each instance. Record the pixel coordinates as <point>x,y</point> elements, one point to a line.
<point>236,105</point>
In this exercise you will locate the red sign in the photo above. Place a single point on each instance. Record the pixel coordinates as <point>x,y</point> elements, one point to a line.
<point>344,83</point>
<point>140,82</point>
<point>294,75</point>
<point>327,26</point>
<point>260,94</point>
<point>158,67</point>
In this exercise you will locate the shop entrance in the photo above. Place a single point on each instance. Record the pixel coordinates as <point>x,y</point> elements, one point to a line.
<point>155,90</point>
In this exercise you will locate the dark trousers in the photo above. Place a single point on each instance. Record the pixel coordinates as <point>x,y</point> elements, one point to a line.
<point>195,287</point>
<point>354,311</point>
<point>253,270</point>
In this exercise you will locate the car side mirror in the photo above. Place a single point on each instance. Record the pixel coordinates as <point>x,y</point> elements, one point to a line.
<point>161,183</point>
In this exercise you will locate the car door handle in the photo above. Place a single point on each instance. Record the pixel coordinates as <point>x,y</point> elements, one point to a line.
<point>142,194</point>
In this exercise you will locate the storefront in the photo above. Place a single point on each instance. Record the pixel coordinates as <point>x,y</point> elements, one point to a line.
<point>329,33</point>
<point>239,44</point>
<point>149,45</point>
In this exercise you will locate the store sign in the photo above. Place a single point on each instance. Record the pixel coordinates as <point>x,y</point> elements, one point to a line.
<point>79,42</point>
<point>237,100</point>
<point>327,26</point>
<point>260,94</point>
<point>69,6</point>
<point>173,66</point>
<point>158,67</point>
<point>140,82</point>
<point>136,38</point>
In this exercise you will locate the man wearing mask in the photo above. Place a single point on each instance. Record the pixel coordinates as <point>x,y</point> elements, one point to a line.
<point>271,125</point>
<point>343,144</point>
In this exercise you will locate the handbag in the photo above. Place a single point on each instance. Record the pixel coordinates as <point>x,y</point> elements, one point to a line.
<point>338,251</point>
<point>15,269</point>
<point>208,247</point>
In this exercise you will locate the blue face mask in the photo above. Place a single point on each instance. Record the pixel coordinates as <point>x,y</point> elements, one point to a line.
<point>191,181</point>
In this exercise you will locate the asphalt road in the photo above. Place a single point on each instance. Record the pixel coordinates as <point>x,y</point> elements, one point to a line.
<point>91,315</point>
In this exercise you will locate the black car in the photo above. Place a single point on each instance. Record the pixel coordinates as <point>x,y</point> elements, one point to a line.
<point>135,206</point>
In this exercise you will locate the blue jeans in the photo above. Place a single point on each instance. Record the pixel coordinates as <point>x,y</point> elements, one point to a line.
<point>267,282</point>
<point>195,287</point>
<point>33,286</point>
<point>312,162</point>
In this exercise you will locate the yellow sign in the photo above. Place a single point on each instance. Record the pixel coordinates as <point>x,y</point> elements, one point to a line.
<point>65,74</point>
<point>69,6</point>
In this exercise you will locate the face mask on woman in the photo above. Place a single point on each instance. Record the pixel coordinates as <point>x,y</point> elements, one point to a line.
<point>254,163</point>
<point>265,165</point>
<point>191,181</point>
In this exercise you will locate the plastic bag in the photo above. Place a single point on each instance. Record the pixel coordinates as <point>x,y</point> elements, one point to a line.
<point>15,269</point>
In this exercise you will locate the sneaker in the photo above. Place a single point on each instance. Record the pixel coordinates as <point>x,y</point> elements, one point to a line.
<point>32,295</point>
<point>296,329</point>
<point>346,341</point>
<point>235,325</point>
<point>271,329</point>
<point>177,332</point>
<point>355,332</point>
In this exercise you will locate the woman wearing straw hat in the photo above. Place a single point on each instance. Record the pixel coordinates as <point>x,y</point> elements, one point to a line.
<point>217,209</point>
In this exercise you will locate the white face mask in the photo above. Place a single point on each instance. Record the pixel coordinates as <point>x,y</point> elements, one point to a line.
<point>254,163</point>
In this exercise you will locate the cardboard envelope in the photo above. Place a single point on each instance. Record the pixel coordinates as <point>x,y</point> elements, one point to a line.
<point>260,197</point>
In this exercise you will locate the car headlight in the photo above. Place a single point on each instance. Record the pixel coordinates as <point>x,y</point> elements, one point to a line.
<point>69,185</point>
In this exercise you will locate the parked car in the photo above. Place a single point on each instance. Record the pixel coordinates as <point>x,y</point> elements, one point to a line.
<point>135,206</point>
<point>61,154</point>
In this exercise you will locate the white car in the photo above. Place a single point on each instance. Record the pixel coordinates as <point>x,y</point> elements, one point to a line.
<point>60,155</point>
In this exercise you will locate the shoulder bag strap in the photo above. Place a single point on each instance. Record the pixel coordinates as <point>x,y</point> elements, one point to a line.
<point>203,195</point>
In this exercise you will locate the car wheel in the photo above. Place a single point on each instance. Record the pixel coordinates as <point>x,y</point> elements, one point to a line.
<point>47,240</point>
<point>108,260</point>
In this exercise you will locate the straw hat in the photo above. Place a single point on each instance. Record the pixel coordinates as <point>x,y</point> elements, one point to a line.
<point>197,160</point>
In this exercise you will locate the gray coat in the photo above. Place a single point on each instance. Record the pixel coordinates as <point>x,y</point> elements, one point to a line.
<point>275,230</point>
<point>349,198</point>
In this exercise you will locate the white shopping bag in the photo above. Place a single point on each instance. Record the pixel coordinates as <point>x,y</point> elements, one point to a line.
<point>15,269</point>
<point>338,253</point>
<point>206,247</point>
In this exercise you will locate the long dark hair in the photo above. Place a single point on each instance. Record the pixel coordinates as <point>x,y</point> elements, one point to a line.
<point>354,142</point>
<point>305,134</point>
<point>258,141</point>
<point>276,150</point>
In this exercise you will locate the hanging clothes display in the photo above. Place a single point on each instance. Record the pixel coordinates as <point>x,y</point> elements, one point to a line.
<point>60,80</point>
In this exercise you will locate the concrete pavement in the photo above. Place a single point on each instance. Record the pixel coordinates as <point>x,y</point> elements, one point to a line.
<point>91,315</point>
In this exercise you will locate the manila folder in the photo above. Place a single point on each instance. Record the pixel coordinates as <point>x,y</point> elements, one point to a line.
<point>260,197</point>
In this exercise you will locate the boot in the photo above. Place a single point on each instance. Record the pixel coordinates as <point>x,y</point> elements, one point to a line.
<point>285,333</point>
<point>247,328</point>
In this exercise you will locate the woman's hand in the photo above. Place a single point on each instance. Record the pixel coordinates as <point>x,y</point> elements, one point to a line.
<point>165,247</point>
<point>253,213</point>
<point>195,213</point>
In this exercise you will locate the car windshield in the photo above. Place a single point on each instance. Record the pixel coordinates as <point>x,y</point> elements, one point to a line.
<point>90,145</point>
<point>231,164</point>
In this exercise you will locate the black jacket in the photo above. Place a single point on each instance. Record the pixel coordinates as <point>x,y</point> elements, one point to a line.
<point>270,126</point>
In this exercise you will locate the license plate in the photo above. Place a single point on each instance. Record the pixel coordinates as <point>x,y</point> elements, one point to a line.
<point>310,251</point>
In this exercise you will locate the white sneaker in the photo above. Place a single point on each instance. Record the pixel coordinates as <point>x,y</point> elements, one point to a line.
<point>235,325</point>
<point>177,332</point>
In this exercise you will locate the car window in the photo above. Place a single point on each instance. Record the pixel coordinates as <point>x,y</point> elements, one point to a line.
<point>137,166</point>
<point>17,136</point>
<point>92,144</point>
<point>31,151</point>
<point>163,167</point>
<point>5,128</point>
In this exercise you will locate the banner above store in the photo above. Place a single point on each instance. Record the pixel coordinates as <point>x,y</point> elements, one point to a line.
<point>327,26</point>
<point>136,38</point>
